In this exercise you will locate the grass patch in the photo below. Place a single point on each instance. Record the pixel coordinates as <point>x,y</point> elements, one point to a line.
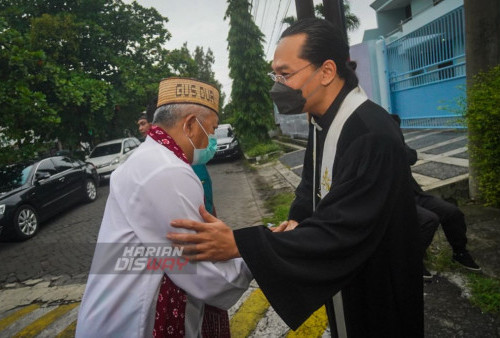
<point>262,149</point>
<point>485,290</point>
<point>279,205</point>
<point>286,149</point>
<point>439,256</point>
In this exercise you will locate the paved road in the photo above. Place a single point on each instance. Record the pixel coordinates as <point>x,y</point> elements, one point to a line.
<point>62,249</point>
<point>236,196</point>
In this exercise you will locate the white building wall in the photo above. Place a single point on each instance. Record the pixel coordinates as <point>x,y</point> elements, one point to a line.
<point>420,19</point>
<point>365,70</point>
<point>418,6</point>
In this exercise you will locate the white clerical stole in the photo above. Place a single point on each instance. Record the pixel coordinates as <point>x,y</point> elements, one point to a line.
<point>352,101</point>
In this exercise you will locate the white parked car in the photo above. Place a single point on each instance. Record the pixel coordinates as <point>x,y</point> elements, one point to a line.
<point>107,156</point>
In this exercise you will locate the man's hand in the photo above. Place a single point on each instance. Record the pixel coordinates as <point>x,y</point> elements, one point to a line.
<point>213,240</point>
<point>285,226</point>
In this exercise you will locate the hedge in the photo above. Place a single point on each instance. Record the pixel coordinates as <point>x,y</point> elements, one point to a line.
<point>483,118</point>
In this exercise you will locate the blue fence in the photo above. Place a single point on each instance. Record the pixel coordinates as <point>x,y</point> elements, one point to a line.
<point>427,74</point>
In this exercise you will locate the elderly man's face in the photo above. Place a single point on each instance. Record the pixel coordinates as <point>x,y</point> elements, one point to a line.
<point>143,126</point>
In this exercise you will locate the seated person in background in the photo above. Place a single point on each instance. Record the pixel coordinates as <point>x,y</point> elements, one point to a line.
<point>432,211</point>
<point>155,185</point>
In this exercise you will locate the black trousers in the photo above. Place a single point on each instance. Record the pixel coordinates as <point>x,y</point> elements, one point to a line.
<point>432,211</point>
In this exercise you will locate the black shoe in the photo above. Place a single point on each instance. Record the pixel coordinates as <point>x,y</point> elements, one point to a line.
<point>466,260</point>
<point>426,274</point>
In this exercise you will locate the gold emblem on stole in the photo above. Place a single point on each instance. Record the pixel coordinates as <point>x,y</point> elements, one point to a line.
<point>326,180</point>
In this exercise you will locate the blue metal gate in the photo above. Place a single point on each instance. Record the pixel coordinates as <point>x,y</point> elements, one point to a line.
<point>427,74</point>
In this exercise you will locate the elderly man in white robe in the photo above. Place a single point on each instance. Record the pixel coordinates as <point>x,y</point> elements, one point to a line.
<point>129,293</point>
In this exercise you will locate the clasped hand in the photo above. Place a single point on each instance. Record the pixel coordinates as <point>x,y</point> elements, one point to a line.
<point>285,226</point>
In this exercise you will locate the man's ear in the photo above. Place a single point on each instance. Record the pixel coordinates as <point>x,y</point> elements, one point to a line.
<point>188,124</point>
<point>328,72</point>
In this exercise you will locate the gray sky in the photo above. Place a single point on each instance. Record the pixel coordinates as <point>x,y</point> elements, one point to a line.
<point>201,23</point>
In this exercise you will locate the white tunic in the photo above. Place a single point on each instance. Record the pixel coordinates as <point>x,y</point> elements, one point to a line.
<point>149,190</point>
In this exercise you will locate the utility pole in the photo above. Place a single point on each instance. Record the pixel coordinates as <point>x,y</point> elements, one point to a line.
<point>305,9</point>
<point>334,12</point>
<point>482,41</point>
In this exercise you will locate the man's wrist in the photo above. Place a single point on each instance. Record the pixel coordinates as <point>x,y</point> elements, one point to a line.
<point>235,252</point>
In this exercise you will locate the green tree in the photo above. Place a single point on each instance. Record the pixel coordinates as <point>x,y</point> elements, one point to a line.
<point>250,102</point>
<point>26,114</point>
<point>78,96</point>
<point>79,70</point>
<point>205,61</point>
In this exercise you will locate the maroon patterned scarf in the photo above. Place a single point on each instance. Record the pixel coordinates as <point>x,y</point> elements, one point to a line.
<point>171,303</point>
<point>161,136</point>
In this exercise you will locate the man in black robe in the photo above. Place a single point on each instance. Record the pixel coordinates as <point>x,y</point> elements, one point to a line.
<point>359,233</point>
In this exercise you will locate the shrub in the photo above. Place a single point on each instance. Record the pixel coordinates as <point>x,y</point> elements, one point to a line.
<point>483,118</point>
<point>262,149</point>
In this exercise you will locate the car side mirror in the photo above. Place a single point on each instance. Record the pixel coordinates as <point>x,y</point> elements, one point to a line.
<point>126,150</point>
<point>39,176</point>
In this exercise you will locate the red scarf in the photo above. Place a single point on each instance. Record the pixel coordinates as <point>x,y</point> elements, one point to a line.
<point>161,136</point>
<point>171,303</point>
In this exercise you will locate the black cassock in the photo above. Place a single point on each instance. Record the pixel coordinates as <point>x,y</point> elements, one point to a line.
<point>362,239</point>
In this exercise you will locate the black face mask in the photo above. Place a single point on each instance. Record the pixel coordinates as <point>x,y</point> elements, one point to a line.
<point>289,101</point>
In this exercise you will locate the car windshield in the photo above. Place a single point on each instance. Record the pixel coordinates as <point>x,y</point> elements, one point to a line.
<point>222,133</point>
<point>107,149</point>
<point>13,176</point>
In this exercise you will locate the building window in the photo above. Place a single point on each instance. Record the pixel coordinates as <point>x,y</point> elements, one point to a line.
<point>408,12</point>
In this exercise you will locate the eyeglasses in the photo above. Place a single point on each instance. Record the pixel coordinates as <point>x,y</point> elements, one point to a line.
<point>283,78</point>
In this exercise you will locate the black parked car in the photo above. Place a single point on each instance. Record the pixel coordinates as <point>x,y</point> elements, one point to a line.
<point>227,143</point>
<point>31,192</point>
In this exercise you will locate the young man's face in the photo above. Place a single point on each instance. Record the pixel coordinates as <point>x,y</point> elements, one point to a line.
<point>143,126</point>
<point>299,73</point>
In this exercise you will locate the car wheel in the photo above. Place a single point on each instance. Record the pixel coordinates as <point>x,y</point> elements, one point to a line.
<point>25,222</point>
<point>90,190</point>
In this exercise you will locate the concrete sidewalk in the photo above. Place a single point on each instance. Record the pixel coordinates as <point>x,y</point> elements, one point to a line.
<point>443,160</point>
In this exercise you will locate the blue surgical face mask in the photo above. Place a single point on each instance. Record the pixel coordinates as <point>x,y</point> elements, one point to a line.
<point>202,156</point>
